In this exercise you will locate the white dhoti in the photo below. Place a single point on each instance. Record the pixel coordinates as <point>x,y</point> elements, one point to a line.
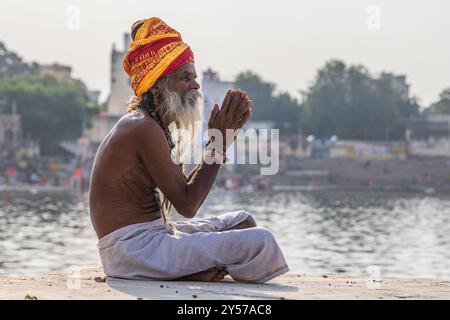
<point>149,251</point>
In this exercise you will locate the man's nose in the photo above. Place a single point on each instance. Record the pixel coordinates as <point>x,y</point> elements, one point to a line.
<point>195,85</point>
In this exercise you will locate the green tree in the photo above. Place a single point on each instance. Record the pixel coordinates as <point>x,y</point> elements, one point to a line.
<point>11,64</point>
<point>280,108</point>
<point>443,105</point>
<point>51,110</point>
<point>350,103</point>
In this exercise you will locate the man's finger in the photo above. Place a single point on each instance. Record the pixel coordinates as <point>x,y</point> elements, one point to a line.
<point>243,105</point>
<point>243,109</point>
<point>227,100</point>
<point>214,111</point>
<point>234,104</point>
<point>245,118</point>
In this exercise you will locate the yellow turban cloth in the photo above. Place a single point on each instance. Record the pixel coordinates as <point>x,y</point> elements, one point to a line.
<point>155,51</point>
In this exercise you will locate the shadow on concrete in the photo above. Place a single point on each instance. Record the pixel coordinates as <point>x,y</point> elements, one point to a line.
<point>226,289</point>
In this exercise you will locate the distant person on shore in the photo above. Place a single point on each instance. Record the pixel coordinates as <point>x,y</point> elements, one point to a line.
<point>136,166</point>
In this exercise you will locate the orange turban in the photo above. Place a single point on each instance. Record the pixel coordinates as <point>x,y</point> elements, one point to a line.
<point>155,51</point>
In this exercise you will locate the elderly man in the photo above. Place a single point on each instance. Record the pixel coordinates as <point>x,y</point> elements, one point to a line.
<point>135,178</point>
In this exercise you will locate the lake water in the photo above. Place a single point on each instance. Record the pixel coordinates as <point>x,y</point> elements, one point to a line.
<point>320,232</point>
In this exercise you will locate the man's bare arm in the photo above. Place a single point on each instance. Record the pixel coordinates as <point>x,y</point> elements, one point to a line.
<point>193,171</point>
<point>186,196</point>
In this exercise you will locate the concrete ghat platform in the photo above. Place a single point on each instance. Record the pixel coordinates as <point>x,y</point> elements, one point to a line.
<point>56,285</point>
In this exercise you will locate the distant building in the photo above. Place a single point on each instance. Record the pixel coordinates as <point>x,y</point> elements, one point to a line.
<point>430,135</point>
<point>119,95</point>
<point>357,149</point>
<point>10,128</point>
<point>214,91</point>
<point>398,82</point>
<point>94,96</point>
<point>58,71</point>
<point>10,132</point>
<point>430,126</point>
<point>101,125</point>
<point>120,82</point>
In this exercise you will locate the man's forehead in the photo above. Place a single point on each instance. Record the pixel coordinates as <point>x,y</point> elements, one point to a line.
<point>187,68</point>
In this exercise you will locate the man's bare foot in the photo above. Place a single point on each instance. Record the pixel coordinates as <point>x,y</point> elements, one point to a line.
<point>213,274</point>
<point>249,222</point>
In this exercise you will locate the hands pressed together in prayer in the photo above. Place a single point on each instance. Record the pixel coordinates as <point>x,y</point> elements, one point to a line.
<point>236,110</point>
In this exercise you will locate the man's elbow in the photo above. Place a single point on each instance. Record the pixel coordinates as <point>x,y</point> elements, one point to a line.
<point>188,211</point>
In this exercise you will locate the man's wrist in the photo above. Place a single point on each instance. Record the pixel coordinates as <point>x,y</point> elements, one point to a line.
<point>221,149</point>
<point>212,156</point>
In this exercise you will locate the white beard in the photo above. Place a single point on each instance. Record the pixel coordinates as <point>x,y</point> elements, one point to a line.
<point>185,116</point>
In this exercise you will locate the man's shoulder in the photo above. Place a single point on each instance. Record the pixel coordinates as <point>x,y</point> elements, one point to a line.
<point>137,122</point>
<point>139,126</point>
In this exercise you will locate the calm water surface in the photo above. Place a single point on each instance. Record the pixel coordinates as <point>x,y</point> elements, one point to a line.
<point>320,232</point>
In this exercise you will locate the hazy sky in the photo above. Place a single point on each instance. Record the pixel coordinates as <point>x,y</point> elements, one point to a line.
<point>284,41</point>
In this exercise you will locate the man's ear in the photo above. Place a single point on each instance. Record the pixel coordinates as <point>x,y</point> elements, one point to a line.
<point>154,91</point>
<point>156,95</point>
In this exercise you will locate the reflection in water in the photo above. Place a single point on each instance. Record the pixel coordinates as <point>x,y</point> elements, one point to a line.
<point>319,232</point>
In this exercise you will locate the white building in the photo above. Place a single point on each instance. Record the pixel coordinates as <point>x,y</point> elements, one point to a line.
<point>214,90</point>
<point>119,95</point>
<point>120,82</point>
<point>60,72</point>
